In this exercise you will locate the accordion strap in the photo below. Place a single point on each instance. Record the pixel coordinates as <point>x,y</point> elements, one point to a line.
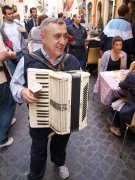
<point>59,68</point>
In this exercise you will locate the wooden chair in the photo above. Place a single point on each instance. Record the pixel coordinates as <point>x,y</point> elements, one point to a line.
<point>93,56</point>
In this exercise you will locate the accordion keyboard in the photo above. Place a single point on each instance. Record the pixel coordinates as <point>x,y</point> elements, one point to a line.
<point>39,111</point>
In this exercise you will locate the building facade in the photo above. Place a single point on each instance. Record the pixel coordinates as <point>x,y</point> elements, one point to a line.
<point>21,6</point>
<point>99,12</point>
<point>95,12</point>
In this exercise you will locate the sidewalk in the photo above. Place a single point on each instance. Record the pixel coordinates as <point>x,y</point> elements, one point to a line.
<point>92,154</point>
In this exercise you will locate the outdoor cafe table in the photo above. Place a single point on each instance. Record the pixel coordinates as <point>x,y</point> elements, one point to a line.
<point>108,84</point>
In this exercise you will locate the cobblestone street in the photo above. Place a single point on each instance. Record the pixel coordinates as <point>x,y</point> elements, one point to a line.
<point>92,154</point>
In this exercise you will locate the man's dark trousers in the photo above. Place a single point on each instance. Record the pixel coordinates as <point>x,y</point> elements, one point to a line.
<point>39,151</point>
<point>80,53</point>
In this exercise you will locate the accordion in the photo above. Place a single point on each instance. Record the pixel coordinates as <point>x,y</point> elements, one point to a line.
<point>62,99</point>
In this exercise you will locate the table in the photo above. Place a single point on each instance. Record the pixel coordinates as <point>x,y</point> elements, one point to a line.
<point>108,84</point>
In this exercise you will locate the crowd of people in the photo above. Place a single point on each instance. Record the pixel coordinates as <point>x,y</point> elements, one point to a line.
<point>51,39</point>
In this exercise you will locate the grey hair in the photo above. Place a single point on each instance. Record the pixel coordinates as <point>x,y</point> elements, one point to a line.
<point>49,20</point>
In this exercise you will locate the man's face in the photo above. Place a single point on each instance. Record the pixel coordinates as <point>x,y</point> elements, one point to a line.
<point>34,13</point>
<point>54,40</point>
<point>9,15</point>
<point>77,19</point>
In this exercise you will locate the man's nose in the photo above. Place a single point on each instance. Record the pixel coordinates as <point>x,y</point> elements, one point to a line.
<point>62,40</point>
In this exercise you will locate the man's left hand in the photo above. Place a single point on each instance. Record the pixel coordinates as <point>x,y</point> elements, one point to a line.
<point>21,29</point>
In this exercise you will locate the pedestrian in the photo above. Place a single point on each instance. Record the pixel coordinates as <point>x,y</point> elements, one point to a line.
<point>13,35</point>
<point>7,104</point>
<point>79,34</point>
<point>54,39</point>
<point>34,40</point>
<point>33,21</point>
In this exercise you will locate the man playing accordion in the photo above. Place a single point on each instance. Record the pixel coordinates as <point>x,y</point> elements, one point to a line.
<point>54,39</point>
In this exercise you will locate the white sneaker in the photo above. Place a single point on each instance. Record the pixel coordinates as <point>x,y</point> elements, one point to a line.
<point>8,143</point>
<point>13,121</point>
<point>63,172</point>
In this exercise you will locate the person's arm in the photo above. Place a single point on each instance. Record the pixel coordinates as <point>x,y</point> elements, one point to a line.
<point>23,31</point>
<point>132,66</point>
<point>17,81</point>
<point>5,55</point>
<point>85,34</point>
<point>104,62</point>
<point>103,38</point>
<point>70,38</point>
<point>123,60</point>
<point>19,92</point>
<point>127,82</point>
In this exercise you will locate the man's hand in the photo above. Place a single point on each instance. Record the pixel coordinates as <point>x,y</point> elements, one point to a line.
<point>28,96</point>
<point>5,55</point>
<point>21,29</point>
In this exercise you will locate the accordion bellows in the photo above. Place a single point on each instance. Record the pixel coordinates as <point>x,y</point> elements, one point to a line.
<point>62,99</point>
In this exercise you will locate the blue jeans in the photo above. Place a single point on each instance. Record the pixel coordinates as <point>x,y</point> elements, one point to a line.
<point>7,111</point>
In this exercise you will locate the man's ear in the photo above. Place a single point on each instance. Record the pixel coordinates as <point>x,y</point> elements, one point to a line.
<point>42,36</point>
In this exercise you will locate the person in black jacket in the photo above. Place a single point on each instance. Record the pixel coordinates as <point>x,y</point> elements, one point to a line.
<point>54,39</point>
<point>33,21</point>
<point>79,34</point>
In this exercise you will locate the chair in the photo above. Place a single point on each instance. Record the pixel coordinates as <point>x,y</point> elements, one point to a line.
<point>93,56</point>
<point>128,126</point>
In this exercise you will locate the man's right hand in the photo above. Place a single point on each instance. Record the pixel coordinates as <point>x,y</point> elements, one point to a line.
<point>21,29</point>
<point>28,96</point>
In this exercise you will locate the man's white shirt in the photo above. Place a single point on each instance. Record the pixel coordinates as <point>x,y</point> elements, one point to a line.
<point>14,35</point>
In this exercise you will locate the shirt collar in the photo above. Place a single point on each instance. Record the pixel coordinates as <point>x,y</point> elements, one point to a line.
<point>76,27</point>
<point>48,59</point>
